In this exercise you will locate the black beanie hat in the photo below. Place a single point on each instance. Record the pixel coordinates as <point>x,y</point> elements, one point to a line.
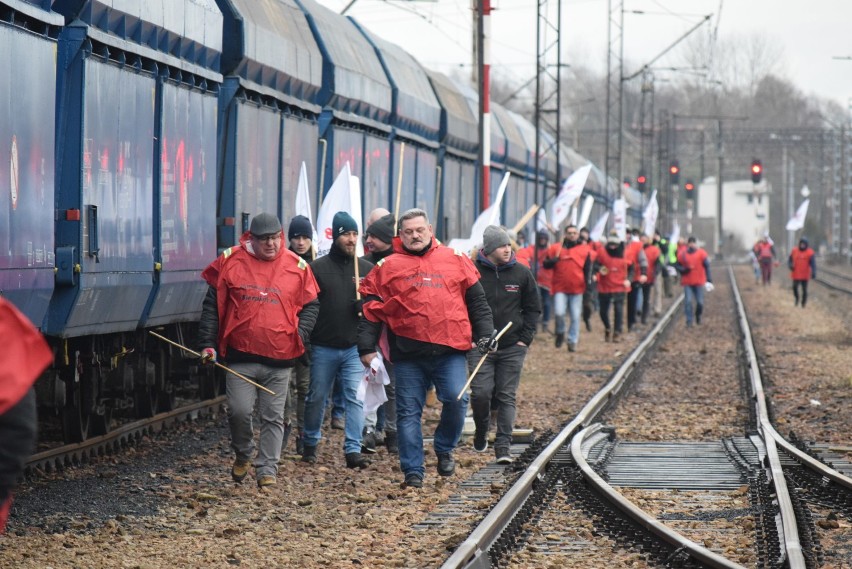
<point>383,229</point>
<point>342,223</point>
<point>300,226</point>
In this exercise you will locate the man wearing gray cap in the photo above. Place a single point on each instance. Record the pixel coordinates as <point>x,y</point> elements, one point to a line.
<point>513,296</point>
<point>258,315</point>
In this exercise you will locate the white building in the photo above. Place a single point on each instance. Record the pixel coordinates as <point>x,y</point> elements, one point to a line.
<point>745,211</point>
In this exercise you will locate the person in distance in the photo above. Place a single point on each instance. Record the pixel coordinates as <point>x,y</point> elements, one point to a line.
<point>694,268</point>
<point>802,264</point>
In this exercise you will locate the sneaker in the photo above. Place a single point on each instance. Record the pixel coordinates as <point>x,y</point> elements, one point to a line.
<point>559,339</point>
<point>309,454</point>
<point>266,480</point>
<point>607,335</point>
<point>503,456</point>
<point>413,480</point>
<point>368,442</point>
<point>392,442</point>
<point>572,346</point>
<point>338,423</point>
<point>240,470</point>
<point>616,337</point>
<point>480,440</point>
<point>446,464</point>
<point>357,460</point>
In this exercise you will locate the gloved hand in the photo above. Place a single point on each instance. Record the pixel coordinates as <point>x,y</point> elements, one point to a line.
<point>708,286</point>
<point>208,356</point>
<point>358,306</point>
<point>485,345</point>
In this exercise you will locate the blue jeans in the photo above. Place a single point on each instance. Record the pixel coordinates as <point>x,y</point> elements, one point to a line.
<point>693,293</point>
<point>546,304</point>
<point>574,304</point>
<point>326,364</point>
<point>413,377</point>
<point>241,399</point>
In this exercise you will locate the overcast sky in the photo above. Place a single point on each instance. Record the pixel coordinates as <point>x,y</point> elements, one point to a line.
<point>809,33</point>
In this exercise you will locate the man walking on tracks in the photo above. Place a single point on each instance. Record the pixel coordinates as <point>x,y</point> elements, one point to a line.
<point>802,264</point>
<point>513,296</point>
<point>258,315</point>
<point>571,262</point>
<point>430,298</point>
<point>694,267</point>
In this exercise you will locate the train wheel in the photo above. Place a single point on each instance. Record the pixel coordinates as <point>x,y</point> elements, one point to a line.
<point>75,424</point>
<point>80,404</point>
<point>165,387</point>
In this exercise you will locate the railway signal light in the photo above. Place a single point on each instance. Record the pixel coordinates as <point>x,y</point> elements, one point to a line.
<point>756,171</point>
<point>674,172</point>
<point>689,186</point>
<point>641,181</point>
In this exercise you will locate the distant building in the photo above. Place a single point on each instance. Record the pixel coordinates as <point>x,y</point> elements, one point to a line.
<point>745,212</point>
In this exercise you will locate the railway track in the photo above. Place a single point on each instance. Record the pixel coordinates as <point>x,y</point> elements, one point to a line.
<point>73,454</point>
<point>836,281</point>
<point>743,499</point>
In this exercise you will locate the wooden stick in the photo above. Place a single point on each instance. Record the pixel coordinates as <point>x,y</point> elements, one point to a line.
<point>527,216</point>
<point>226,368</point>
<point>482,361</point>
<point>399,183</point>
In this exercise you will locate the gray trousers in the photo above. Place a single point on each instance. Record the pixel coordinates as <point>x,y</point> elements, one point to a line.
<point>496,381</point>
<point>270,408</point>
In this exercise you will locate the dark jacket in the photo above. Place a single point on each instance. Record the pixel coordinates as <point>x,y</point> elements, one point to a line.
<point>513,296</point>
<point>376,256</point>
<point>337,323</point>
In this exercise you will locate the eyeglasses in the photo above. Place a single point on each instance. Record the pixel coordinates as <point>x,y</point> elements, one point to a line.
<point>267,238</point>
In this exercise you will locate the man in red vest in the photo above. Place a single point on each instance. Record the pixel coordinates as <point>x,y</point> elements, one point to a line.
<point>694,267</point>
<point>258,315</point>
<point>572,269</point>
<point>802,264</point>
<point>25,355</point>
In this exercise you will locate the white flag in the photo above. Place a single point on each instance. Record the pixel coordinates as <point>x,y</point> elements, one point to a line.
<point>649,216</point>
<point>798,220</point>
<point>355,212</point>
<point>619,217</point>
<point>675,232</point>
<point>588,202</point>
<point>303,199</point>
<point>571,190</point>
<point>597,231</point>
<point>491,216</point>
<point>339,198</point>
<point>541,220</point>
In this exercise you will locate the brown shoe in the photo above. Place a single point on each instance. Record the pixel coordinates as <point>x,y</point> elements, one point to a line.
<point>607,335</point>
<point>240,470</point>
<point>266,480</point>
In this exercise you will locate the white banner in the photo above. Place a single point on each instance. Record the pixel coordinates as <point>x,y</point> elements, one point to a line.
<point>675,232</point>
<point>649,216</point>
<point>619,217</point>
<point>339,198</point>
<point>598,230</point>
<point>303,199</point>
<point>798,220</point>
<point>570,192</point>
<point>588,202</point>
<point>491,216</point>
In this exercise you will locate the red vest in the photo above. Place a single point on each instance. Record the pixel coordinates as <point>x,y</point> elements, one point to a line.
<point>422,296</point>
<point>801,264</point>
<point>259,301</point>
<point>25,355</point>
<point>526,256</point>
<point>764,250</point>
<point>652,252</point>
<point>614,271</point>
<point>568,276</point>
<point>694,261</point>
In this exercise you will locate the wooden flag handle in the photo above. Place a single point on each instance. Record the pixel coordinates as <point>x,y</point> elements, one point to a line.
<point>217,364</point>
<point>527,216</point>
<point>482,361</point>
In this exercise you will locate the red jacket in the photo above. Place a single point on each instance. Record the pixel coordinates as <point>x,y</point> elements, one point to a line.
<point>693,260</point>
<point>259,301</point>
<point>613,272</point>
<point>526,257</point>
<point>25,355</point>
<point>652,252</point>
<point>569,272</point>
<point>801,264</point>
<point>422,297</point>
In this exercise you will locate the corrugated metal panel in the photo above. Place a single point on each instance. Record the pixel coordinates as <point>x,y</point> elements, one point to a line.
<point>269,44</point>
<point>183,33</point>
<point>353,78</point>
<point>38,9</point>
<point>415,106</point>
<point>459,125</point>
<point>498,137</point>
<point>516,151</point>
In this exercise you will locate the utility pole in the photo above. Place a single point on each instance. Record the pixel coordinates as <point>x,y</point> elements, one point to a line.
<point>483,56</point>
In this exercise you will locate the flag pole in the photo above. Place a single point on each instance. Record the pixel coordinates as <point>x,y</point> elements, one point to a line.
<point>217,364</point>
<point>482,361</point>
<point>398,184</point>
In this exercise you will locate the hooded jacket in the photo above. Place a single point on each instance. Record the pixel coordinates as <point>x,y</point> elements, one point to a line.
<point>572,266</point>
<point>513,296</point>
